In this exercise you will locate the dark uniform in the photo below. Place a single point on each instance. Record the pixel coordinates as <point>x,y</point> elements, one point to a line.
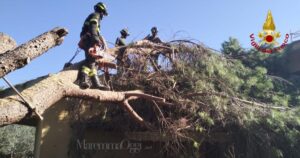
<point>121,41</point>
<point>155,39</point>
<point>153,36</point>
<point>90,36</point>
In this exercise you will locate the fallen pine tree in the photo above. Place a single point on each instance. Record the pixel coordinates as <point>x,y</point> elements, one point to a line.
<point>190,95</point>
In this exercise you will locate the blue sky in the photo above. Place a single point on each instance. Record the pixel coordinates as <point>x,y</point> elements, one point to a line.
<point>208,21</point>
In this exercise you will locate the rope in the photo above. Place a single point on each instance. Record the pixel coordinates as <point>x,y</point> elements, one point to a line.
<point>69,63</point>
<point>76,53</point>
<point>26,102</point>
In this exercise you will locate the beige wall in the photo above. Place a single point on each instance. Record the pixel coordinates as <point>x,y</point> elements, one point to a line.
<point>57,134</point>
<point>56,131</point>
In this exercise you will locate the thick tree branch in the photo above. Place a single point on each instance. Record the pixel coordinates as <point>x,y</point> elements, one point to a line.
<point>53,88</point>
<point>22,55</point>
<point>50,89</point>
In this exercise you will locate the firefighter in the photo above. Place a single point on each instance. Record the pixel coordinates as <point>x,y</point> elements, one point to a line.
<point>90,39</point>
<point>121,40</point>
<point>153,37</point>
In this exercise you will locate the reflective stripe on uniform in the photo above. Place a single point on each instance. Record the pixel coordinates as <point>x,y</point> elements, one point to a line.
<point>86,70</point>
<point>96,21</point>
<point>93,72</point>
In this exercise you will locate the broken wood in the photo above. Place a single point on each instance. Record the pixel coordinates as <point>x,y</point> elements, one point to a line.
<point>22,55</point>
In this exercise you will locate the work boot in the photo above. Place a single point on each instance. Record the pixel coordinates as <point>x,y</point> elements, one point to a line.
<point>98,84</point>
<point>84,84</point>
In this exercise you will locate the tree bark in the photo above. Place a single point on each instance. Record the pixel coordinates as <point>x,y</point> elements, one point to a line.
<point>22,55</point>
<point>53,88</point>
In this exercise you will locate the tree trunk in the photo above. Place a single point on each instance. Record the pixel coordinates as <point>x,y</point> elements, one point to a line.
<point>45,91</point>
<point>22,55</point>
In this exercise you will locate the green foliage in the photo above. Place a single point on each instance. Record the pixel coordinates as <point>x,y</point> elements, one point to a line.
<point>199,129</point>
<point>231,93</point>
<point>16,140</point>
<point>266,80</point>
<point>206,119</point>
<point>246,75</point>
<point>232,47</point>
<point>196,145</point>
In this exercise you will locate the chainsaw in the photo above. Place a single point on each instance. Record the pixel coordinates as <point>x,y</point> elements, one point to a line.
<point>102,58</point>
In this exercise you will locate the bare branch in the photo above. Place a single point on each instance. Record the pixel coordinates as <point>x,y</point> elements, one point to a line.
<point>145,96</point>
<point>132,113</point>
<point>22,55</point>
